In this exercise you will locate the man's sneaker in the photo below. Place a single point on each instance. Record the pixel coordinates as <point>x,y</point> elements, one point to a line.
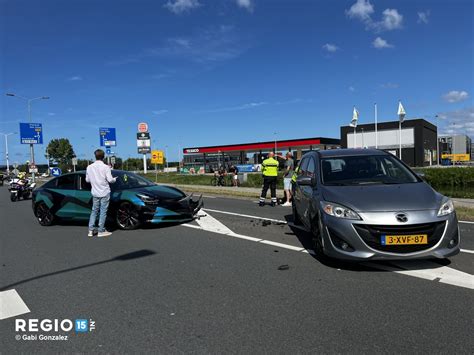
<point>103,234</point>
<point>90,234</point>
<point>287,204</point>
<point>273,204</point>
<point>261,204</point>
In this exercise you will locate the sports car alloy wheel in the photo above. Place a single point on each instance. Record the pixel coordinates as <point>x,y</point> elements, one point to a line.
<point>44,215</point>
<point>127,216</point>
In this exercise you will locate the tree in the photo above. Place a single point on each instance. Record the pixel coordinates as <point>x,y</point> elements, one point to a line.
<point>61,152</point>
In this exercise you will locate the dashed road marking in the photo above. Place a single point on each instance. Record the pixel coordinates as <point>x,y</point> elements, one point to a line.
<point>11,304</point>
<point>247,216</point>
<point>429,271</point>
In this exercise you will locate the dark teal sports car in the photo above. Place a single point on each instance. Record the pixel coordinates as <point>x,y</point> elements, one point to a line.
<point>134,201</point>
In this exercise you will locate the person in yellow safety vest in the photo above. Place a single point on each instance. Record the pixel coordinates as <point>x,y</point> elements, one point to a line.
<point>270,175</point>
<point>295,174</point>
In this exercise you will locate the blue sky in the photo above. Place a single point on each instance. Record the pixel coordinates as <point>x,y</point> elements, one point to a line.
<point>204,72</point>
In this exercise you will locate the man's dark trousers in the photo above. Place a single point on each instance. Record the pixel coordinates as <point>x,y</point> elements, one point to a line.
<point>269,182</point>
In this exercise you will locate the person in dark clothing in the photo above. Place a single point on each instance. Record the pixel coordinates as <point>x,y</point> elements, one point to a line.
<point>270,175</point>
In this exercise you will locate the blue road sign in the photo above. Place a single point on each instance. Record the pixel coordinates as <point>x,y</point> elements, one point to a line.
<point>107,137</point>
<point>31,133</point>
<point>56,172</point>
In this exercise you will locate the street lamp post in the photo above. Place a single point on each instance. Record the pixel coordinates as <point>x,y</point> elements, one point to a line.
<point>438,154</point>
<point>275,138</point>
<point>32,150</point>
<point>6,150</point>
<point>166,156</point>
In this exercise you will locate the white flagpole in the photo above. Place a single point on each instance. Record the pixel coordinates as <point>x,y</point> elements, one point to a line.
<point>355,141</point>
<point>376,134</point>
<point>400,134</point>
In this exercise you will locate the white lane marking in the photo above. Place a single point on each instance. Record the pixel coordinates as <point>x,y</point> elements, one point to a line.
<point>467,251</point>
<point>429,271</point>
<point>466,222</point>
<point>281,245</point>
<point>11,304</point>
<point>207,196</point>
<point>247,216</point>
<point>417,268</point>
<point>211,224</point>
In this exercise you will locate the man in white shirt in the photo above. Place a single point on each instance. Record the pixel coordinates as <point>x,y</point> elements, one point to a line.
<point>99,175</point>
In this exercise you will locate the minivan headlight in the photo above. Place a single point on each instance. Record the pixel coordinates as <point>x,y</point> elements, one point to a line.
<point>446,208</point>
<point>336,210</point>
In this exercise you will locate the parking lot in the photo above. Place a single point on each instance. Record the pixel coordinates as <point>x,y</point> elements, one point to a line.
<point>240,279</point>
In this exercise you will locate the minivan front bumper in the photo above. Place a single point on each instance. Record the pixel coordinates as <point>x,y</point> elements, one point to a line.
<point>361,239</point>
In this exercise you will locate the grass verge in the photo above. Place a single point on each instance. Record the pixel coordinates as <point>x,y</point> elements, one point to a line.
<point>465,214</point>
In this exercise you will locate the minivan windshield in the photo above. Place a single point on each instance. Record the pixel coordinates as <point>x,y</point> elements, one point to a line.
<point>365,170</point>
<point>127,180</point>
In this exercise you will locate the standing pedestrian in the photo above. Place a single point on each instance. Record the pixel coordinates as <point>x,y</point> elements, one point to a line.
<point>289,169</point>
<point>99,175</point>
<point>270,175</point>
<point>235,175</point>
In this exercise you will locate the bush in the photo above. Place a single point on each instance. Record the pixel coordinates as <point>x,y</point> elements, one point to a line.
<point>453,181</point>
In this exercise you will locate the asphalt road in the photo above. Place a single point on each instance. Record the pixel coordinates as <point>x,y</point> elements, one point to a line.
<point>184,289</point>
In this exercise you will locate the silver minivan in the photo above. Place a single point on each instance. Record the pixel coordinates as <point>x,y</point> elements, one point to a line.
<point>363,204</point>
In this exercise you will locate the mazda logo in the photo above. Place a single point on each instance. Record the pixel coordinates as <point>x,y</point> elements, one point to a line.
<point>401,217</point>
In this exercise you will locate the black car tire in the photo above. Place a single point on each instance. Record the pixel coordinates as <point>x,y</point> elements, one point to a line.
<point>43,214</point>
<point>127,216</point>
<point>296,217</point>
<point>316,231</point>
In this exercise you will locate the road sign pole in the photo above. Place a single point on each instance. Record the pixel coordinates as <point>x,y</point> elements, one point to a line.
<point>32,149</point>
<point>156,174</point>
<point>144,164</point>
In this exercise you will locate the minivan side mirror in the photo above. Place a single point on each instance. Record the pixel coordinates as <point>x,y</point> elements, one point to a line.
<point>305,181</point>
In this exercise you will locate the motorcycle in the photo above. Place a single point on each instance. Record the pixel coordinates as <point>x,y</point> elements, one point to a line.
<point>21,188</point>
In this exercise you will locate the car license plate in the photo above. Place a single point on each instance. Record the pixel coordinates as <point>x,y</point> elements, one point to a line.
<point>404,239</point>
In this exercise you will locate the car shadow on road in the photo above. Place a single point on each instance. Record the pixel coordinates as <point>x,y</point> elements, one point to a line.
<point>124,257</point>
<point>305,238</point>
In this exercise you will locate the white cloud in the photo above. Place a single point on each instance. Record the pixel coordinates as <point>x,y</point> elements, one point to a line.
<point>246,4</point>
<point>75,78</point>
<point>389,85</point>
<point>51,114</point>
<point>159,112</point>
<point>331,48</point>
<point>206,46</point>
<point>247,106</point>
<point>391,20</point>
<point>362,10</point>
<point>159,76</point>
<point>181,6</point>
<point>458,122</point>
<point>380,43</point>
<point>455,96</point>
<point>423,16</point>
<point>352,89</point>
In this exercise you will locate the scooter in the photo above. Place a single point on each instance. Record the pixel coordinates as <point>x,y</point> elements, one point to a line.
<point>20,188</point>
